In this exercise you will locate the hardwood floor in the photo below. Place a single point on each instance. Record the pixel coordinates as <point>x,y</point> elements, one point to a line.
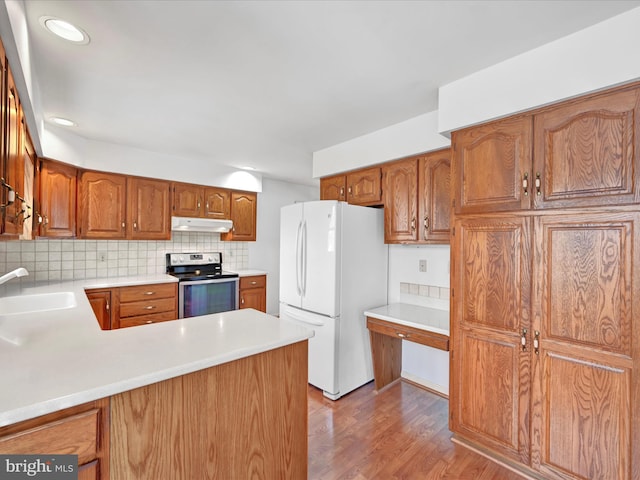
<point>400,433</point>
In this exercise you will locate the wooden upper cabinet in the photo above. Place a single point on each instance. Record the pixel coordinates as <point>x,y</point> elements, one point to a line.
<point>490,164</point>
<point>14,161</point>
<point>57,199</point>
<point>333,188</point>
<point>587,152</point>
<point>102,209</point>
<point>364,187</point>
<point>243,215</point>
<point>149,214</point>
<point>401,201</point>
<point>187,200</point>
<point>217,203</point>
<point>201,202</point>
<point>434,196</point>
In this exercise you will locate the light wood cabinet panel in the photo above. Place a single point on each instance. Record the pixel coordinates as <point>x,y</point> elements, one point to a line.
<point>491,374</point>
<point>82,430</point>
<point>587,152</point>
<point>148,209</point>
<point>102,205</point>
<point>244,215</point>
<point>364,187</point>
<point>253,292</point>
<point>588,361</point>
<point>222,422</point>
<point>333,188</point>
<point>491,163</point>
<point>100,300</point>
<point>401,201</point>
<point>434,196</point>
<point>57,199</point>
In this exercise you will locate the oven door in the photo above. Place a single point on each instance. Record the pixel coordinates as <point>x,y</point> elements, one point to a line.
<point>202,297</point>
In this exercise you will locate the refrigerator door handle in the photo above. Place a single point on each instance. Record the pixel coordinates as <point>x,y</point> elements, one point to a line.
<point>304,258</point>
<point>298,258</point>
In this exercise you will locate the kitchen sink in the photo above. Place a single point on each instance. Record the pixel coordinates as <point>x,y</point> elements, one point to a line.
<point>33,303</point>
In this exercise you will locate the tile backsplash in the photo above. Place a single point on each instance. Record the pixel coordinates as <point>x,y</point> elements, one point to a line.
<point>53,259</point>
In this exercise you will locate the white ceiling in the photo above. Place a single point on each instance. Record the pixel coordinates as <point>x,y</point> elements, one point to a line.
<point>266,83</point>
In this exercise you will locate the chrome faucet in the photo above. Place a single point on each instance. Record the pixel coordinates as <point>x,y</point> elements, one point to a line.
<point>18,272</point>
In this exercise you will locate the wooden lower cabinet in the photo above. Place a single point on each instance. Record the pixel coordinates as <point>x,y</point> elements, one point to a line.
<point>224,422</point>
<point>253,292</point>
<point>82,430</point>
<point>131,306</point>
<point>545,358</point>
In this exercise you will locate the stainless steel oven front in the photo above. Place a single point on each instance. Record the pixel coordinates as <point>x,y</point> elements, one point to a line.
<point>201,297</point>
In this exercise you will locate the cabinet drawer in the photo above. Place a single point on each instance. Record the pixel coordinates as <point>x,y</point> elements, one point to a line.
<point>257,281</point>
<point>147,307</point>
<point>424,337</point>
<point>74,435</point>
<point>147,319</point>
<point>148,292</point>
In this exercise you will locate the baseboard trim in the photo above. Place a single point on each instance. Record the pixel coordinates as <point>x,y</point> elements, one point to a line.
<point>516,468</point>
<point>441,390</point>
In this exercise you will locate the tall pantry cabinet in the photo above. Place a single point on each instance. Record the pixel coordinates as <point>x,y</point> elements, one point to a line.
<point>545,356</point>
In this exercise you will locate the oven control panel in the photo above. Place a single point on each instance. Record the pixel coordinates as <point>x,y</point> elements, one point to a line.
<point>194,258</point>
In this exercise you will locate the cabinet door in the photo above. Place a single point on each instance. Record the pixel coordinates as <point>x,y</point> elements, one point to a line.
<point>434,180</point>
<point>217,203</point>
<point>187,200</point>
<point>587,152</point>
<point>489,167</point>
<point>333,188</point>
<point>100,301</point>
<point>490,372</point>
<point>253,292</point>
<point>102,210</point>
<point>57,199</point>
<point>14,167</point>
<point>401,201</point>
<point>148,207</point>
<point>243,214</point>
<point>364,187</point>
<point>585,393</point>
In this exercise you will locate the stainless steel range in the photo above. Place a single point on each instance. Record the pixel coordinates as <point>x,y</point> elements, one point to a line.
<point>203,287</point>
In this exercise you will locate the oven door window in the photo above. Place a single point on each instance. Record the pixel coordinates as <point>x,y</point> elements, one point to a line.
<point>202,298</point>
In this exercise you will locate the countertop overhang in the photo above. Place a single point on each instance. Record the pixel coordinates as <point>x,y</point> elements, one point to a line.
<point>65,359</point>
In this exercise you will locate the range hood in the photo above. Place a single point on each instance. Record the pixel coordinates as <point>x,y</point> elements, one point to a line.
<point>188,224</point>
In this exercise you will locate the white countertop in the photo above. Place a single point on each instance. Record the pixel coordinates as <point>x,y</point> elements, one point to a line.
<point>62,358</point>
<point>424,318</point>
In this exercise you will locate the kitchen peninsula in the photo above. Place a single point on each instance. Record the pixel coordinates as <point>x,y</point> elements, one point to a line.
<point>221,395</point>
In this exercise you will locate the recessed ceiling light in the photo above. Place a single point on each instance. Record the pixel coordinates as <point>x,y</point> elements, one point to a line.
<point>64,29</point>
<point>65,122</point>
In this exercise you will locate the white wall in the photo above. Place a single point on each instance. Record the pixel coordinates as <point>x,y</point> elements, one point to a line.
<point>416,135</point>
<point>264,254</point>
<point>597,57</point>
<point>59,144</point>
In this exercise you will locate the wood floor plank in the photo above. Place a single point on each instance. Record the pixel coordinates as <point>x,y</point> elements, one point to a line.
<point>400,433</point>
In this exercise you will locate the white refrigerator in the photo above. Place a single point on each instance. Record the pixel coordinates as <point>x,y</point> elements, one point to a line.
<point>333,267</point>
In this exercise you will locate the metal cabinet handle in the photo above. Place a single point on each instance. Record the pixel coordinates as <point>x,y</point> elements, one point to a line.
<point>538,183</point>
<point>525,183</point>
<point>536,342</point>
<point>149,307</point>
<point>413,223</point>
<point>402,335</point>
<point>123,224</point>
<point>523,340</point>
<point>242,300</point>
<point>254,283</point>
<point>148,322</point>
<point>135,226</point>
<point>149,293</point>
<point>426,224</point>
<point>342,191</point>
<point>349,190</point>
<point>107,306</point>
